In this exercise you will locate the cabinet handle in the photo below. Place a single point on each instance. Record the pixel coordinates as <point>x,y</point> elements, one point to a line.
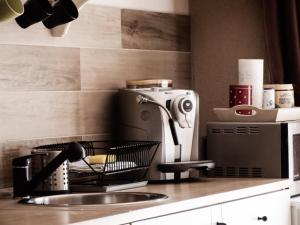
<point>264,218</point>
<point>221,223</point>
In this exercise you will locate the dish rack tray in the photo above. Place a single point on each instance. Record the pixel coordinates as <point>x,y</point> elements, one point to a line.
<point>124,162</point>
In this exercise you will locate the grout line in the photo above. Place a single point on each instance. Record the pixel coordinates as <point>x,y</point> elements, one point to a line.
<point>99,48</point>
<point>44,139</point>
<point>80,70</point>
<point>50,91</point>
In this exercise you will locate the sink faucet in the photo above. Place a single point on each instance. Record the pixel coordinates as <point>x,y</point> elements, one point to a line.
<point>24,186</point>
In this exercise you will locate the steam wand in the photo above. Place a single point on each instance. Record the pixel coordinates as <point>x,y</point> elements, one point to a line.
<point>144,100</point>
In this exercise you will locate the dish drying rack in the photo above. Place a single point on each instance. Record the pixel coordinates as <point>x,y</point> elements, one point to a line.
<point>126,165</point>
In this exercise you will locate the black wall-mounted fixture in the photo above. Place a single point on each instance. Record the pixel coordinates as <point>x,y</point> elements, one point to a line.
<point>61,12</point>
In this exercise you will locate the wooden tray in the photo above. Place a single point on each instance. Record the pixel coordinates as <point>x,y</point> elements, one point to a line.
<point>258,115</point>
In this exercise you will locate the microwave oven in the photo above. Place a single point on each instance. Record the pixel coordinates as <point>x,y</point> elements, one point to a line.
<point>269,150</point>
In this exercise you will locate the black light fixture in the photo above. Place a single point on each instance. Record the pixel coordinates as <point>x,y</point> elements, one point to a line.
<point>52,15</point>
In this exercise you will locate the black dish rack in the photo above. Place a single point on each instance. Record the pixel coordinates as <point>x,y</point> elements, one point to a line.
<point>126,162</point>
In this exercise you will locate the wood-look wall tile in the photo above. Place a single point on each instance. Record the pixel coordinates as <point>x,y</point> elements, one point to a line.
<point>109,69</point>
<point>38,114</point>
<point>27,115</point>
<point>96,27</point>
<point>39,68</point>
<point>5,166</point>
<point>152,30</point>
<point>25,144</point>
<point>97,137</point>
<point>40,76</point>
<point>97,112</point>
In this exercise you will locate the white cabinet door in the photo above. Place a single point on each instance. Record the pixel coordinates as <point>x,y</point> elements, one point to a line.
<point>267,209</point>
<point>192,217</point>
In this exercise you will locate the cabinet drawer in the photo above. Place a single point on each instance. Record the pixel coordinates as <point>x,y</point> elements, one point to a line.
<point>201,216</point>
<point>267,209</point>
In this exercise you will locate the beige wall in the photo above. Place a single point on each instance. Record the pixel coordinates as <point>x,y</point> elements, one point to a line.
<point>61,89</point>
<point>222,32</point>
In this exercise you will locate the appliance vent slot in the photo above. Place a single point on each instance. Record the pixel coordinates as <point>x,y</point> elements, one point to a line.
<point>254,130</point>
<point>228,131</point>
<point>256,172</point>
<point>231,172</point>
<point>218,171</point>
<point>241,130</point>
<point>243,172</point>
<point>216,131</point>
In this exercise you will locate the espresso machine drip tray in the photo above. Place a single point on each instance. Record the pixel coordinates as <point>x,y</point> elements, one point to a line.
<point>178,167</point>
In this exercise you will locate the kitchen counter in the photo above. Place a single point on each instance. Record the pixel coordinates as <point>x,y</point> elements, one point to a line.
<point>184,196</point>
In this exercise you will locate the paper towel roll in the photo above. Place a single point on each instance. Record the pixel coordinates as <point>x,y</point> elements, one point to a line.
<point>251,72</point>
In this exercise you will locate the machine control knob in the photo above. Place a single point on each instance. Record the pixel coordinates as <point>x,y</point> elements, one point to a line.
<point>183,108</point>
<point>186,105</point>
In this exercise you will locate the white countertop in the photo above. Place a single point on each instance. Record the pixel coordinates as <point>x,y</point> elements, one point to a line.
<point>182,197</point>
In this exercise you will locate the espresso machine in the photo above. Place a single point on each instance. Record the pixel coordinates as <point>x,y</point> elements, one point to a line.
<point>170,116</point>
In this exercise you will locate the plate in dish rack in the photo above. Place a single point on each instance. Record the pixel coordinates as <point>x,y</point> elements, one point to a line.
<point>258,115</point>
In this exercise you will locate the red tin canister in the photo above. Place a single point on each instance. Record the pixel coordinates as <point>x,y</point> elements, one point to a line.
<point>240,95</point>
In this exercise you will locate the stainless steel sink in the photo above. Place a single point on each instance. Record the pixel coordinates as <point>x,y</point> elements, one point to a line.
<point>95,198</point>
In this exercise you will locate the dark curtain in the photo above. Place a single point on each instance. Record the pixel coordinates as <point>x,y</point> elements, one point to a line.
<point>282,26</point>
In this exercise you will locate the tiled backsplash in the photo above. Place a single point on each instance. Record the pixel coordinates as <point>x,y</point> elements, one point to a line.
<point>61,89</point>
